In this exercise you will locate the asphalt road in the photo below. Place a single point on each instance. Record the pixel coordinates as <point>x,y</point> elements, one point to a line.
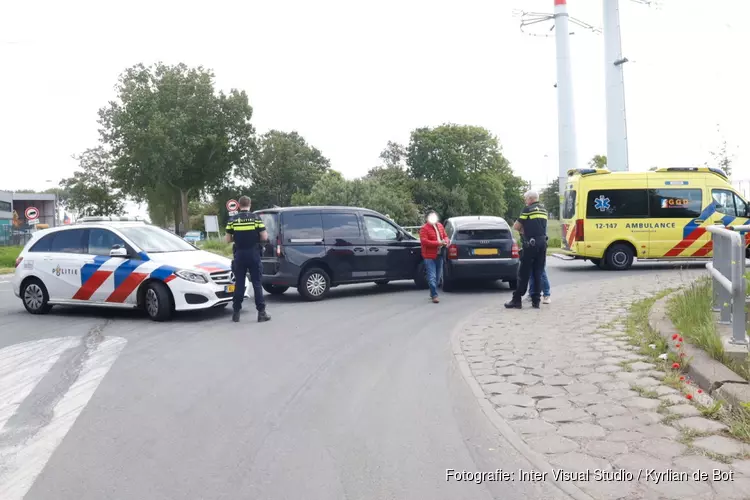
<point>354,397</point>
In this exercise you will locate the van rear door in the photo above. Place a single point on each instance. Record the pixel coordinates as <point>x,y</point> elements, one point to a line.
<point>271,221</point>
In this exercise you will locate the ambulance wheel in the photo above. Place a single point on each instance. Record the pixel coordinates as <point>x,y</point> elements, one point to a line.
<point>35,297</point>
<point>600,263</point>
<point>157,301</point>
<point>619,257</point>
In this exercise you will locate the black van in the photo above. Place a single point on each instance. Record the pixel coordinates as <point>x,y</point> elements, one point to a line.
<point>316,248</point>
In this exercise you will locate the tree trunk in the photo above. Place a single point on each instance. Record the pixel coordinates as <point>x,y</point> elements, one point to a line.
<point>177,217</point>
<point>185,213</point>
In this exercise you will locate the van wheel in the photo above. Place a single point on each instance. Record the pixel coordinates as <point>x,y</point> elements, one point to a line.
<point>619,257</point>
<point>420,277</point>
<point>275,289</point>
<point>314,284</point>
<point>157,302</point>
<point>35,297</point>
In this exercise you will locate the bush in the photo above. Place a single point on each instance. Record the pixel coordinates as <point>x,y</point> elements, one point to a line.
<point>8,256</point>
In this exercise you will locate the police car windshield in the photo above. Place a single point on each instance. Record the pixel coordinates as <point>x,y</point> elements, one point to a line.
<point>152,239</point>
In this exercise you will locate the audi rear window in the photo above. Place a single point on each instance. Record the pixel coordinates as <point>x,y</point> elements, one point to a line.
<point>483,234</point>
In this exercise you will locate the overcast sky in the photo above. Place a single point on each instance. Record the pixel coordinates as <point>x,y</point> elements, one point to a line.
<point>349,76</point>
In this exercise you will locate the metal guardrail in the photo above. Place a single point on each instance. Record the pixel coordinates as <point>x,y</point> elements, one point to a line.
<point>727,269</point>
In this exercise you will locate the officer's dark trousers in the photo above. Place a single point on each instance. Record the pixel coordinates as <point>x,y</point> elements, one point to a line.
<point>533,260</point>
<point>248,261</point>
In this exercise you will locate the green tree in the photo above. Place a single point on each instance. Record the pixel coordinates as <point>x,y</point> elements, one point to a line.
<point>467,161</point>
<point>598,161</point>
<point>91,190</point>
<point>550,198</point>
<point>283,165</point>
<point>169,127</point>
<point>721,158</point>
<point>333,189</point>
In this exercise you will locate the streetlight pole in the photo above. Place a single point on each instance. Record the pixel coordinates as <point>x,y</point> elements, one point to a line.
<point>617,135</point>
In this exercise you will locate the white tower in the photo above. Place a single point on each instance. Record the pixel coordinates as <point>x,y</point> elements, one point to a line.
<point>617,134</point>
<point>566,123</point>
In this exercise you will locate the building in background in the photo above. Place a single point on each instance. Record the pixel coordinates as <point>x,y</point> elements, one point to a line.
<point>6,217</point>
<point>14,228</point>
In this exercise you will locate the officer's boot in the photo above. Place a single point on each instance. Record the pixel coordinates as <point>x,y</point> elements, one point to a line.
<point>236,316</point>
<point>514,303</point>
<point>263,316</point>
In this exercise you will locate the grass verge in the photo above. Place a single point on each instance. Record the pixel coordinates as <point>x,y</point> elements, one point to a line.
<point>692,314</point>
<point>7,270</point>
<point>217,247</point>
<point>8,256</point>
<point>641,335</point>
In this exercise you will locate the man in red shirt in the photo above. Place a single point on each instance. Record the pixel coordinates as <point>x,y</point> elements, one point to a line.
<point>434,240</point>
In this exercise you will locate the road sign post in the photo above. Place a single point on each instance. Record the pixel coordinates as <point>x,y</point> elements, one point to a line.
<point>32,215</point>
<point>232,207</point>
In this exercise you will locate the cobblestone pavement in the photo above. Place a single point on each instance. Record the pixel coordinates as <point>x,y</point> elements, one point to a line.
<point>565,384</point>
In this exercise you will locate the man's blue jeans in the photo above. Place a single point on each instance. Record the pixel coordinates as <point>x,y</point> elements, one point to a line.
<point>545,285</point>
<point>434,269</point>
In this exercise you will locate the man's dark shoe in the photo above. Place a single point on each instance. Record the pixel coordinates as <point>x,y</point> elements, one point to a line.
<point>535,304</point>
<point>263,316</point>
<point>513,304</point>
<point>236,316</point>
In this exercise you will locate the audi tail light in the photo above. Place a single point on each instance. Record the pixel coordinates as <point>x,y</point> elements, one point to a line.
<point>18,261</point>
<point>453,252</point>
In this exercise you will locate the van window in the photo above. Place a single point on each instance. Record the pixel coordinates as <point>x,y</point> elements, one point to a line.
<point>70,241</point>
<point>727,202</point>
<point>378,229</point>
<point>271,221</point>
<point>483,234</point>
<point>617,203</point>
<point>569,208</point>
<point>302,227</point>
<point>341,225</point>
<point>676,203</point>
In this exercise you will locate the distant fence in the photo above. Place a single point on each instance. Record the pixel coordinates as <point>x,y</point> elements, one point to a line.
<point>12,236</point>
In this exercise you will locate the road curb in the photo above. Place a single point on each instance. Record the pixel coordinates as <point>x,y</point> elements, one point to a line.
<point>711,375</point>
<point>536,459</point>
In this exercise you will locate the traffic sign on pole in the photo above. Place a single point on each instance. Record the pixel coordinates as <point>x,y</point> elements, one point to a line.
<point>232,207</point>
<point>32,215</point>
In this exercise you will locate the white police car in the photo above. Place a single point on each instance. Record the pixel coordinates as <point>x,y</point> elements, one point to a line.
<point>118,262</point>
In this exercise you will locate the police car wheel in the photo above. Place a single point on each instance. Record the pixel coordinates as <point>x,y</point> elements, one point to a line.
<point>35,297</point>
<point>157,301</point>
<point>275,289</point>
<point>619,257</point>
<point>314,284</point>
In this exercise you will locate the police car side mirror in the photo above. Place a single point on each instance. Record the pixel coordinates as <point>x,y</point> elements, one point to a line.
<point>118,251</point>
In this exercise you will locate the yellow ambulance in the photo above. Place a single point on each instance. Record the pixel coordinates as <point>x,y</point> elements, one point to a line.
<point>610,218</point>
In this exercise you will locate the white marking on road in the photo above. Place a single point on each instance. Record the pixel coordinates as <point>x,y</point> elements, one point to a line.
<point>22,367</point>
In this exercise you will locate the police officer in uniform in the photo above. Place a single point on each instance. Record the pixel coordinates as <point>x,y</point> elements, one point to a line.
<point>248,233</point>
<point>532,225</point>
